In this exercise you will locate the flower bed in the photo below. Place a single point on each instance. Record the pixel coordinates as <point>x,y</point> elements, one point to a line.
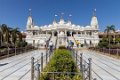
<point>61,66</point>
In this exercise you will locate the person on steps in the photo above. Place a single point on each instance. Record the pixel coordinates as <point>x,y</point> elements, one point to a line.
<point>51,46</point>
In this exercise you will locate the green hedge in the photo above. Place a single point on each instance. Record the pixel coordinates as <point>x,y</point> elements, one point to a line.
<point>62,61</point>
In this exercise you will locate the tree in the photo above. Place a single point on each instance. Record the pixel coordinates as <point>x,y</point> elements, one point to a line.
<point>108,30</point>
<point>117,40</point>
<point>15,33</point>
<point>6,33</point>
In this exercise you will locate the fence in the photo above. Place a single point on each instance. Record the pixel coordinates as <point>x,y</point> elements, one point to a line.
<point>37,66</point>
<point>115,52</point>
<point>85,66</point>
<point>14,51</point>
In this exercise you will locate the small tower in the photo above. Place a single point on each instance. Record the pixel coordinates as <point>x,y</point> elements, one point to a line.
<point>94,21</point>
<point>61,19</point>
<point>54,21</point>
<point>69,19</point>
<point>29,21</point>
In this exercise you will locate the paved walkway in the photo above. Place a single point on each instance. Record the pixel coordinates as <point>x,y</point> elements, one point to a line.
<point>103,67</point>
<point>18,67</point>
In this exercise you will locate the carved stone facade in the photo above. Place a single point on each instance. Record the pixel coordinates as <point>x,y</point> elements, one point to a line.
<point>87,35</point>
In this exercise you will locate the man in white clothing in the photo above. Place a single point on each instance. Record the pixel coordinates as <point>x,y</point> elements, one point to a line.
<point>51,46</point>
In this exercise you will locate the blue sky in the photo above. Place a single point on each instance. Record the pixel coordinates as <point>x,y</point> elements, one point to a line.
<point>14,13</point>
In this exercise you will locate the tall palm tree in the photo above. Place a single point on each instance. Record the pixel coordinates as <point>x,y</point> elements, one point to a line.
<point>15,33</point>
<point>108,30</point>
<point>6,33</point>
<point>20,36</point>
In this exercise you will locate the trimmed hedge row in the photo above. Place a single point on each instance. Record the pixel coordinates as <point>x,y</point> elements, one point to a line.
<point>62,61</point>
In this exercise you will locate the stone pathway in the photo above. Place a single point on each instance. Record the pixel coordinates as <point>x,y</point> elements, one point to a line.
<point>103,67</point>
<point>18,67</point>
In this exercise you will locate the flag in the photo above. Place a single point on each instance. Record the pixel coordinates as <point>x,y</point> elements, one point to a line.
<point>56,15</point>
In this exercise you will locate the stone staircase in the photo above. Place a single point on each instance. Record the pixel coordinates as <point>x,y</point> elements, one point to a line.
<point>73,40</point>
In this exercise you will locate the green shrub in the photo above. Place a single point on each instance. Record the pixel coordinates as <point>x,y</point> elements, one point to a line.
<point>103,44</point>
<point>21,44</point>
<point>62,61</point>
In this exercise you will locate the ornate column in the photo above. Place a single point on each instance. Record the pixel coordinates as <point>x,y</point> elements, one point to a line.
<point>52,33</point>
<point>57,32</point>
<point>71,33</point>
<point>84,33</point>
<point>65,32</point>
<point>46,33</point>
<point>77,32</point>
<point>80,33</point>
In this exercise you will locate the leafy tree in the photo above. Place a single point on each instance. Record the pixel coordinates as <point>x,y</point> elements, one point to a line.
<point>117,40</point>
<point>108,30</point>
<point>6,33</point>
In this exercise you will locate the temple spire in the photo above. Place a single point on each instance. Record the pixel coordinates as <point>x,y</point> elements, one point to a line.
<point>61,19</point>
<point>29,21</point>
<point>94,21</point>
<point>54,21</point>
<point>61,16</point>
<point>69,18</point>
<point>55,17</point>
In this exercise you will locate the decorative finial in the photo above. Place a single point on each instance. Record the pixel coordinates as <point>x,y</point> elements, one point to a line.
<point>55,17</point>
<point>94,13</point>
<point>30,12</point>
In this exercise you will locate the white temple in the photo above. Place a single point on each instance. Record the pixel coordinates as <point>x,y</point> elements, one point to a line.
<point>61,32</point>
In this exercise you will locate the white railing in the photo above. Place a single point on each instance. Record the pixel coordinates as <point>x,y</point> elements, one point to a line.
<point>84,36</point>
<point>41,35</point>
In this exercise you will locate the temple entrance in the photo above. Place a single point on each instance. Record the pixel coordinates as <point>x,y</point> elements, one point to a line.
<point>73,33</point>
<point>68,33</point>
<point>55,33</point>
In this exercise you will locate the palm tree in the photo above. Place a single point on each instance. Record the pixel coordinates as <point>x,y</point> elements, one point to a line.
<point>15,33</point>
<point>20,37</point>
<point>6,33</point>
<point>108,30</point>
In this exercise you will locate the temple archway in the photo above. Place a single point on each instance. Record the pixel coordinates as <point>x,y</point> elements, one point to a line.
<point>55,33</point>
<point>68,33</point>
<point>73,33</point>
